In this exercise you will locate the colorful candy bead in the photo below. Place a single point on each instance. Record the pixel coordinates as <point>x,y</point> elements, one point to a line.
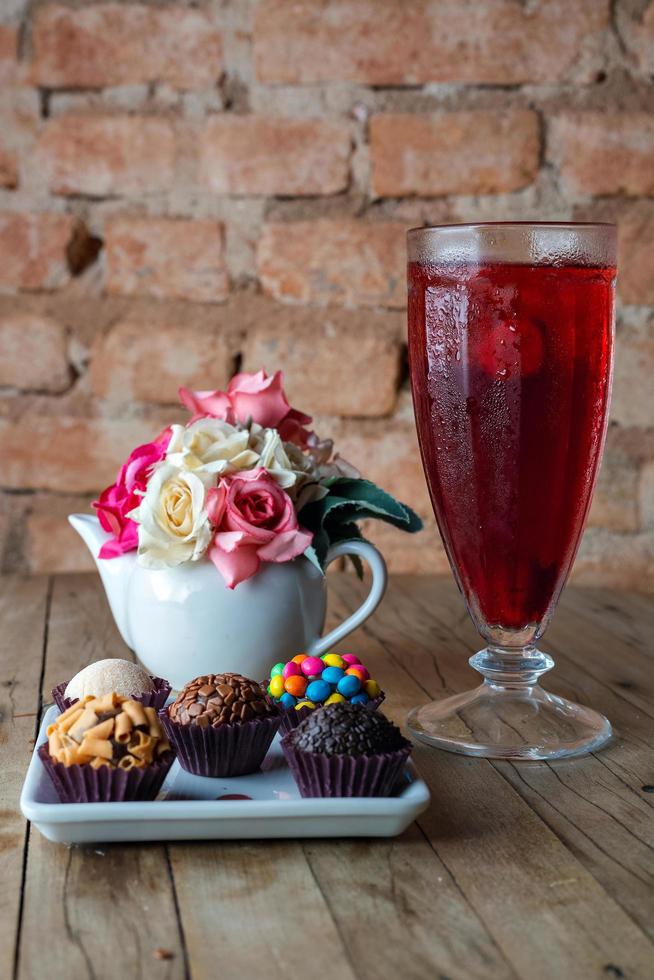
<point>276,686</point>
<point>372,689</point>
<point>348,686</point>
<point>318,690</point>
<point>296,686</point>
<point>332,674</point>
<point>306,681</point>
<point>335,698</point>
<point>312,666</point>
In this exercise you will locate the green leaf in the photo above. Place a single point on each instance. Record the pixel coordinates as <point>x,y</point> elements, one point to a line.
<point>333,518</point>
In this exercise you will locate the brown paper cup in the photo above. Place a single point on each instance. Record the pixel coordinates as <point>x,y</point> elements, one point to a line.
<point>229,750</point>
<point>151,699</point>
<point>291,717</point>
<point>317,774</point>
<point>82,784</point>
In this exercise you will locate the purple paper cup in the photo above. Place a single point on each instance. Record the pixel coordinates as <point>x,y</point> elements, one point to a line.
<point>291,717</point>
<point>151,699</point>
<point>317,774</point>
<point>229,750</point>
<point>82,784</point>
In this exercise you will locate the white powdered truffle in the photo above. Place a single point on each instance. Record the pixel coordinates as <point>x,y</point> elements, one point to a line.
<point>106,676</point>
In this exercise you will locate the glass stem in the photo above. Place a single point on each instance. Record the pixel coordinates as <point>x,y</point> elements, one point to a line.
<point>508,667</point>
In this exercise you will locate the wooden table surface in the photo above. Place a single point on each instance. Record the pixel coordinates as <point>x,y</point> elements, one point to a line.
<point>531,870</point>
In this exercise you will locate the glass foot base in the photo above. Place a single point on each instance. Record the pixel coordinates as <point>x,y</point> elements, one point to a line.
<point>510,722</point>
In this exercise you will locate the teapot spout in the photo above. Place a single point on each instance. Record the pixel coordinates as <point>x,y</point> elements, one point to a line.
<point>114,572</point>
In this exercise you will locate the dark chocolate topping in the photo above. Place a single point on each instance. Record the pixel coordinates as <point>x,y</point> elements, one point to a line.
<point>220,699</point>
<point>347,729</point>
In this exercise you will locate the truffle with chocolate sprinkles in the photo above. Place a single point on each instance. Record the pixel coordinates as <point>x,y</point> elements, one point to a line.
<point>347,729</point>
<point>220,699</point>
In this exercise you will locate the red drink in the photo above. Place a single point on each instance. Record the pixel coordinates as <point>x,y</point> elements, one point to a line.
<point>510,370</point>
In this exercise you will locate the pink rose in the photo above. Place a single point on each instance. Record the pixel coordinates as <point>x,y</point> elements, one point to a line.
<point>254,396</point>
<point>255,521</point>
<point>115,503</point>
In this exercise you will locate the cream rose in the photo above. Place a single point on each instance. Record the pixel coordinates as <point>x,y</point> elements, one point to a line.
<point>173,522</point>
<point>211,446</point>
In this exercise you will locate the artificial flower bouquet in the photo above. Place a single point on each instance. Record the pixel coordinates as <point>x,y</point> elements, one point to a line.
<point>243,482</point>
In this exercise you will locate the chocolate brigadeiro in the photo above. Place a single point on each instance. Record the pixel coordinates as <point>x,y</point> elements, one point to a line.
<point>345,750</point>
<point>220,699</point>
<point>221,725</point>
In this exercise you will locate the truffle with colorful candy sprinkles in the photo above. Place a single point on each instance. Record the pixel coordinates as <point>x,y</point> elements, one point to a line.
<point>307,682</point>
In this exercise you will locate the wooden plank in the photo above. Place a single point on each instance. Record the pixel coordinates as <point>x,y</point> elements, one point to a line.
<point>251,910</point>
<point>23,604</point>
<point>628,615</point>
<point>400,911</point>
<point>499,851</point>
<point>94,912</point>
<point>597,806</point>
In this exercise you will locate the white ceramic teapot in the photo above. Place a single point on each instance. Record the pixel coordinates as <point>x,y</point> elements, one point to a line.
<point>182,622</point>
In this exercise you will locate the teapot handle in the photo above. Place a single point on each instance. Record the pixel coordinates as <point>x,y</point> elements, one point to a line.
<point>379,571</point>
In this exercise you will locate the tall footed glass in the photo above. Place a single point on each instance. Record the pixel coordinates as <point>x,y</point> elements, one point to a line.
<point>510,349</point>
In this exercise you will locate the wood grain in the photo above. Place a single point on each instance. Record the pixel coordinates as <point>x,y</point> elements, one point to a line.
<point>105,910</point>
<point>251,910</point>
<point>23,606</point>
<point>525,871</point>
<point>596,805</point>
<point>486,833</point>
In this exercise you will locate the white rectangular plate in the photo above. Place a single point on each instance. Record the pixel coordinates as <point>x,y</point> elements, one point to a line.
<point>190,808</point>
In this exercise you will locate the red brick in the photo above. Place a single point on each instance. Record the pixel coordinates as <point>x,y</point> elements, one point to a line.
<point>141,361</point>
<point>10,69</point>
<point>615,561</point>
<point>605,153</point>
<point>124,44</point>
<point>166,259</point>
<point>633,390</point>
<point>398,43</point>
<point>51,545</point>
<point>68,455</point>
<point>33,353</point>
<point>266,155</point>
<point>615,503</point>
<point>453,153</point>
<point>635,221</point>
<point>638,34</point>
<point>344,261</point>
<point>33,250</point>
<point>8,166</point>
<point>636,253</point>
<point>102,155</point>
<point>359,374</point>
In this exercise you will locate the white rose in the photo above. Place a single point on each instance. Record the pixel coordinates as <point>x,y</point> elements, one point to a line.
<point>287,465</point>
<point>172,517</point>
<point>211,446</point>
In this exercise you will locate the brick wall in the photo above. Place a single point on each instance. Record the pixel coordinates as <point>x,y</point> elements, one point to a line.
<point>189,187</point>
